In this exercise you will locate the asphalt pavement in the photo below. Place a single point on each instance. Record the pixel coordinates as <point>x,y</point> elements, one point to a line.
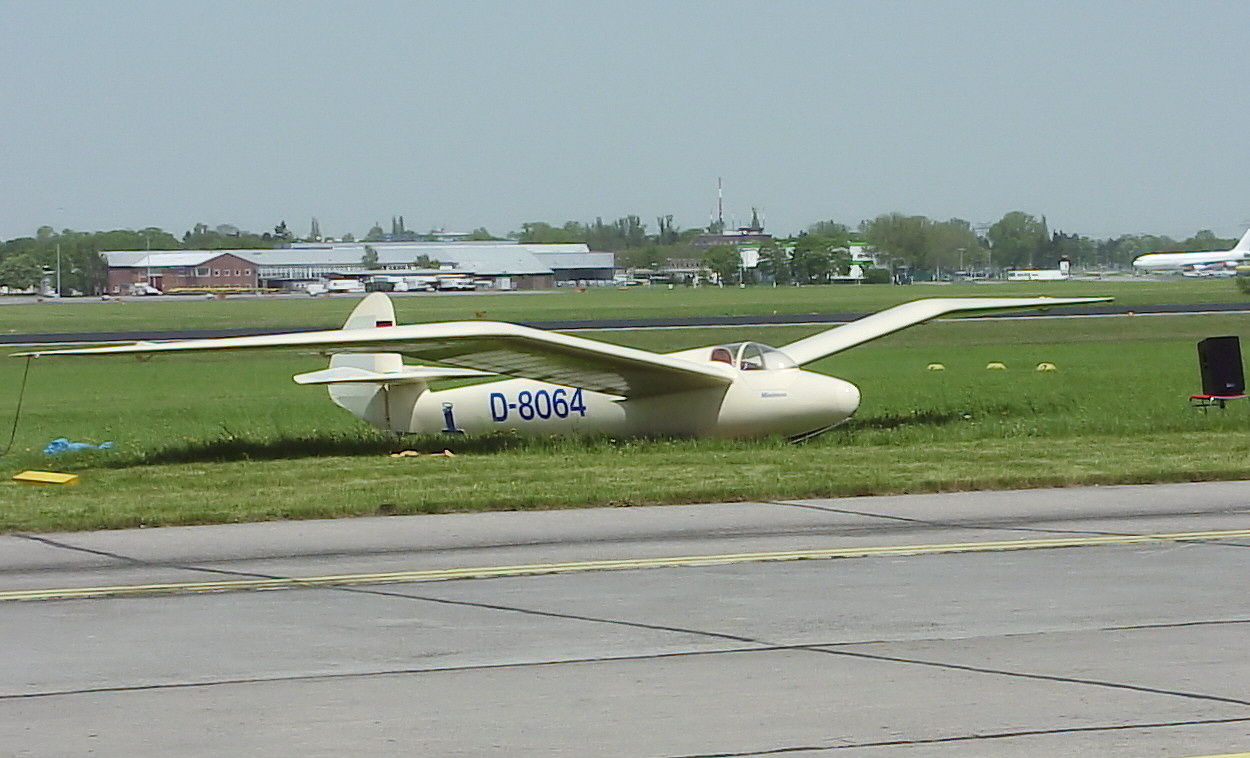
<point>1095,621</point>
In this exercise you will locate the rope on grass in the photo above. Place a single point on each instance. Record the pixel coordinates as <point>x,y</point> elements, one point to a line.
<point>17,414</point>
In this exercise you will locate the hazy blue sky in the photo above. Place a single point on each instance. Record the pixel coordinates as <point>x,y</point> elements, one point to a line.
<point>1106,117</point>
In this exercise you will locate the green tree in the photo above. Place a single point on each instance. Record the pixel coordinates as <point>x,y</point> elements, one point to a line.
<point>668,233</point>
<point>542,233</point>
<point>77,254</point>
<point>650,256</point>
<point>775,262</point>
<point>224,237</point>
<point>1080,251</point>
<point>724,262</point>
<point>625,232</point>
<point>903,239</point>
<point>20,271</point>
<point>815,260</point>
<point>1018,240</point>
<point>1205,240</point>
<point>951,245</point>
<point>838,234</point>
<point>370,259</point>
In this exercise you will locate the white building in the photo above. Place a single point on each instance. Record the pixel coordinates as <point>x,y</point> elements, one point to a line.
<point>512,264</point>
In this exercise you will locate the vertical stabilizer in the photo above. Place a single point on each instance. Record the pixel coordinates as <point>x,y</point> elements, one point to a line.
<point>373,310</point>
<point>1243,245</point>
<point>379,404</point>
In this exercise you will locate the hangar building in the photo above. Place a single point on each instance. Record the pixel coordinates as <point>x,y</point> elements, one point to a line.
<point>507,265</point>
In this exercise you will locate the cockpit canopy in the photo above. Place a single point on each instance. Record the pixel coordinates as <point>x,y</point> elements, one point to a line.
<point>752,356</point>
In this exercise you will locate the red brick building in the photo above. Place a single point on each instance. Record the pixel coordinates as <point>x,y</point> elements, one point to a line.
<point>135,273</point>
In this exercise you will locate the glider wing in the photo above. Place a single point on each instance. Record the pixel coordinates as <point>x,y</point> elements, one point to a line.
<point>495,347</point>
<point>900,317</point>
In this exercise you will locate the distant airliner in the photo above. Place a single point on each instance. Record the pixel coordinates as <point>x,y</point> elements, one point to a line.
<point>550,383</point>
<point>1209,263</point>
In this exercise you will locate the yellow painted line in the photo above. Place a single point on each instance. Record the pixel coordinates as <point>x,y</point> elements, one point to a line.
<point>530,569</point>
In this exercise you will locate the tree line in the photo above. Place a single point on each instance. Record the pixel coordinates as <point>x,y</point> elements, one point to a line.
<point>74,258</point>
<point>820,252</point>
<point>1018,240</point>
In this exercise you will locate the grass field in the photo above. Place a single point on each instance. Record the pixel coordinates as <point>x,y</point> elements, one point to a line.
<point>636,302</point>
<point>220,438</point>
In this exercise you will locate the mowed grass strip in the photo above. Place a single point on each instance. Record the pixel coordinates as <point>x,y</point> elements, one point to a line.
<point>286,311</point>
<point>602,475</point>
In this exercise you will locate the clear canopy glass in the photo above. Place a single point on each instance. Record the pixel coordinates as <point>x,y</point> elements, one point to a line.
<point>752,356</point>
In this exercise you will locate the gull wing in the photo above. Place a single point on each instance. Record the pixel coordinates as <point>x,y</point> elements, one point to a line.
<point>902,316</point>
<point>496,347</point>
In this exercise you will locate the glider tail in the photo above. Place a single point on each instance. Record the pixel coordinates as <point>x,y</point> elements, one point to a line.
<point>380,403</point>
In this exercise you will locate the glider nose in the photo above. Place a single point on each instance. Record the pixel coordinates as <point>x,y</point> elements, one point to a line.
<point>845,398</point>
<point>830,401</point>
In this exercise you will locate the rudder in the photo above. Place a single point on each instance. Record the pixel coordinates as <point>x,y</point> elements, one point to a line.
<point>378,404</point>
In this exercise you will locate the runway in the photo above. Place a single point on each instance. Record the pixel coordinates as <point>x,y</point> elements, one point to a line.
<point>1102,621</point>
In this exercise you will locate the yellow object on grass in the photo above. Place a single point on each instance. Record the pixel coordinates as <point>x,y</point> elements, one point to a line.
<point>45,477</point>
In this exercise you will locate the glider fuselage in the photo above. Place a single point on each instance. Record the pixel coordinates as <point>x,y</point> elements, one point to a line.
<point>786,402</point>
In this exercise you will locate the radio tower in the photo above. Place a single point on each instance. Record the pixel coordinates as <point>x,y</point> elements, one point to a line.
<point>720,205</point>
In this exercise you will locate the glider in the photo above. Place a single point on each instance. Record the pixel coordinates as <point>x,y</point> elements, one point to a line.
<point>550,383</point>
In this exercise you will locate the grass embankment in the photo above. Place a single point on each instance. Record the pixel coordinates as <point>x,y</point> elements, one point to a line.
<point>221,438</point>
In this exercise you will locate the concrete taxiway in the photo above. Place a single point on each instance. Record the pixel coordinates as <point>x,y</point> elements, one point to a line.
<point>1103,621</point>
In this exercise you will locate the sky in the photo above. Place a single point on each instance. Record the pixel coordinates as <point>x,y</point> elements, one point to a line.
<point>1106,118</point>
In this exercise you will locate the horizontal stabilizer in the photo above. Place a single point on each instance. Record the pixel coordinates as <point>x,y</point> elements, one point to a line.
<point>355,375</point>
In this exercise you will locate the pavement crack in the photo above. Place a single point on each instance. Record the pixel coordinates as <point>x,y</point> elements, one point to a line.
<point>373,674</point>
<point>1032,676</point>
<point>967,738</point>
<point>78,549</point>
<point>560,615</point>
<point>139,562</point>
<point>985,526</point>
<point>397,594</point>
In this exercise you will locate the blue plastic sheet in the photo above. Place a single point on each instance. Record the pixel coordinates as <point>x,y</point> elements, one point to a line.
<point>63,445</point>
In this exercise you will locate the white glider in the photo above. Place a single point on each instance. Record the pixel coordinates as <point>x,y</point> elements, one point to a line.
<point>562,384</point>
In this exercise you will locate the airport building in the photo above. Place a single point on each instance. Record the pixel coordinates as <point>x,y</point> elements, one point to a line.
<point>498,264</point>
<point>140,273</point>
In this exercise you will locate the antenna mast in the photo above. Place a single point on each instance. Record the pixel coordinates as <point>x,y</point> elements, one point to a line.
<point>720,204</point>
